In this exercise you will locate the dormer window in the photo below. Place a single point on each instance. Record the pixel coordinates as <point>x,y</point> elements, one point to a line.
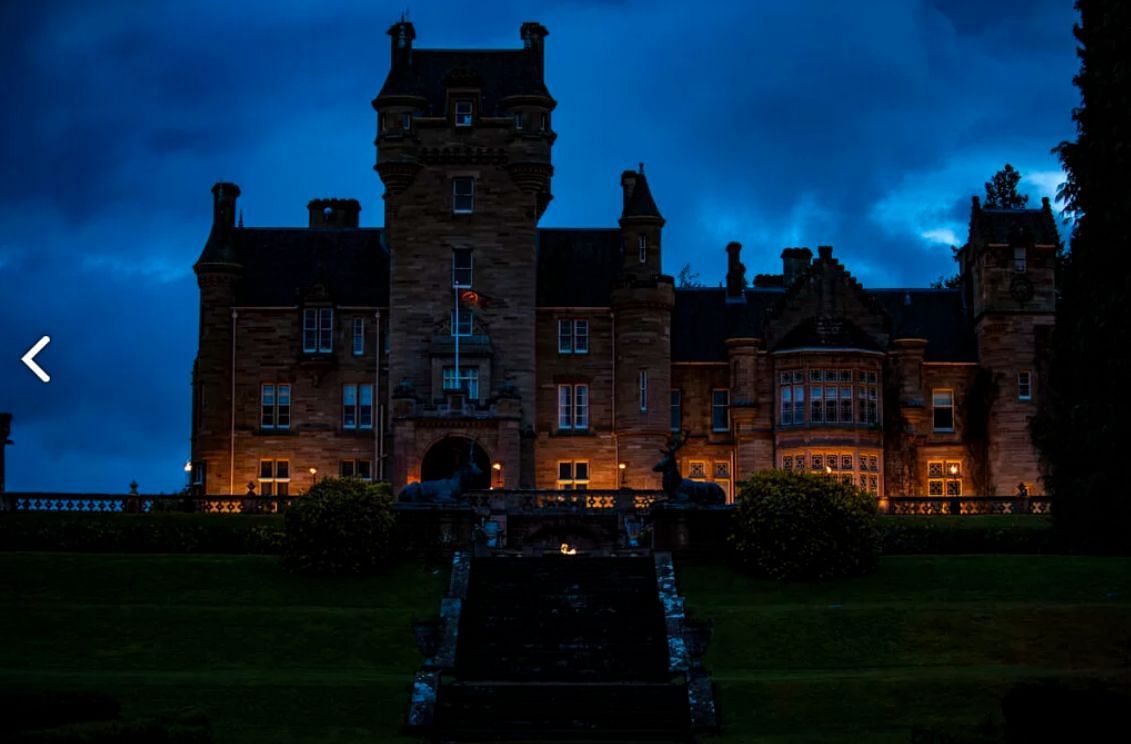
<point>318,330</point>
<point>642,245</point>
<point>463,195</point>
<point>463,113</point>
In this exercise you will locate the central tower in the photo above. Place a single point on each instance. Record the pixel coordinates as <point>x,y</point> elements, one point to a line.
<point>463,149</point>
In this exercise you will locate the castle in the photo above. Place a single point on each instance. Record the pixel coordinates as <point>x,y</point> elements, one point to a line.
<point>566,358</point>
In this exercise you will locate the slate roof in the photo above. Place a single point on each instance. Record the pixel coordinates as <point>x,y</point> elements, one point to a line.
<point>844,335</point>
<point>577,267</point>
<point>641,203</point>
<point>498,73</point>
<point>1014,226</point>
<point>281,264</point>
<point>934,314</point>
<point>703,320</point>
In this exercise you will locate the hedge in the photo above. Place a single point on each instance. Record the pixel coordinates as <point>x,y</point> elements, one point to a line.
<point>142,533</point>
<point>955,535</point>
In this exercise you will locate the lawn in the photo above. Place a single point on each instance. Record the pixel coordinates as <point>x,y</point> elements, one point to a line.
<point>931,641</point>
<point>267,656</point>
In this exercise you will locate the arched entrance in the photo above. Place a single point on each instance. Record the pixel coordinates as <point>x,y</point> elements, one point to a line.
<point>443,457</point>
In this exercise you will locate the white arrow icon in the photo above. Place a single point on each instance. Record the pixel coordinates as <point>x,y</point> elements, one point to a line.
<point>29,357</point>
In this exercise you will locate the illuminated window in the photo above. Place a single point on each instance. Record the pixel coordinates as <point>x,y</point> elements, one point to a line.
<point>358,336</point>
<point>677,410</point>
<point>356,469</point>
<point>573,475</point>
<point>357,406</point>
<point>720,410</point>
<point>942,409</point>
<point>274,477</point>
<point>464,112</point>
<point>720,475</point>
<point>468,383</point>
<point>1024,385</point>
<point>275,406</point>
<point>643,390</point>
<point>463,195</point>
<point>573,407</point>
<point>944,478</point>
<point>318,330</point>
<point>573,336</point>
<point>642,247</point>
<point>697,470</point>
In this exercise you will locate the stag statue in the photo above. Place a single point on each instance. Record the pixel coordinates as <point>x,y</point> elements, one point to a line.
<point>445,490</point>
<point>685,490</point>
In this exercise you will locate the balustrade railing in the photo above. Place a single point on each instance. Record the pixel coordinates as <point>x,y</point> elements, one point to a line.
<point>106,503</point>
<point>543,500</point>
<point>968,505</point>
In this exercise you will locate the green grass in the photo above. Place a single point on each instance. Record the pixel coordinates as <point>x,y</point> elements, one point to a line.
<point>930,641</point>
<point>267,656</point>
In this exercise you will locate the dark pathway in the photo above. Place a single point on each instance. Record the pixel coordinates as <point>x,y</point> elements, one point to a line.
<point>568,648</point>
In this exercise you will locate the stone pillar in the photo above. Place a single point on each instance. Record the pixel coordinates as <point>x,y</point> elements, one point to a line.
<point>5,430</point>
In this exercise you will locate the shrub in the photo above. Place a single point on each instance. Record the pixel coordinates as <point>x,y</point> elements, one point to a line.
<point>799,526</point>
<point>341,526</point>
<point>142,533</point>
<point>954,535</point>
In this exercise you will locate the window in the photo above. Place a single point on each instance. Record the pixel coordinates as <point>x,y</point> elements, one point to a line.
<point>944,478</point>
<point>274,477</point>
<point>573,407</point>
<point>275,406</point>
<point>720,475</point>
<point>942,405</point>
<point>643,390</point>
<point>677,410</point>
<point>358,336</point>
<point>198,473</point>
<point>573,475</point>
<point>720,410</point>
<point>1019,262</point>
<point>461,268</point>
<point>463,195</point>
<point>318,330</point>
<point>867,409</point>
<point>357,406</point>
<point>573,336</point>
<point>463,113</point>
<point>1024,385</point>
<point>469,381</point>
<point>851,468</point>
<point>642,247</point>
<point>461,324</point>
<point>520,121</point>
<point>356,469</point>
<point>544,120</point>
<point>406,121</point>
<point>697,470</point>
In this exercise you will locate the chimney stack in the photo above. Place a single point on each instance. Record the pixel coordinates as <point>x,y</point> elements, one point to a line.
<point>794,263</point>
<point>736,274</point>
<point>533,35</point>
<point>224,197</point>
<point>402,33</point>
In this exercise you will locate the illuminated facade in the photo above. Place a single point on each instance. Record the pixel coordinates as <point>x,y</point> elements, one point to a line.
<point>565,358</point>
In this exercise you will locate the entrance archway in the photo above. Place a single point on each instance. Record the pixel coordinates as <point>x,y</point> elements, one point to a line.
<point>443,457</point>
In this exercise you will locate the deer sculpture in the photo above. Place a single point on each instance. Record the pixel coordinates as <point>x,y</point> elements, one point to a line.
<point>685,490</point>
<point>445,490</point>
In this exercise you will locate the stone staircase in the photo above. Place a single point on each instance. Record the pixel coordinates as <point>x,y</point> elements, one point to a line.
<point>562,648</point>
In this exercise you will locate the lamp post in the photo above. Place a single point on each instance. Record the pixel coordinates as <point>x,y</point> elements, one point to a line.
<point>497,475</point>
<point>622,467</point>
<point>313,476</point>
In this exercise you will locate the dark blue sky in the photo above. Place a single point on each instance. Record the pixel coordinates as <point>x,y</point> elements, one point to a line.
<point>862,125</point>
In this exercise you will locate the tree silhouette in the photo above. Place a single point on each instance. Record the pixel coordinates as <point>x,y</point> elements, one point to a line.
<point>1001,192</point>
<point>688,278</point>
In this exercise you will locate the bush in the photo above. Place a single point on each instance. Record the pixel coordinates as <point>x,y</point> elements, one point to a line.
<point>142,533</point>
<point>955,535</point>
<point>797,526</point>
<point>342,526</point>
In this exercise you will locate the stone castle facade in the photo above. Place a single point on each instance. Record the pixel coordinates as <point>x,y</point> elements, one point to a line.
<point>332,349</point>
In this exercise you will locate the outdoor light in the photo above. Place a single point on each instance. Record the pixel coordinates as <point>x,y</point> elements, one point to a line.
<point>314,471</point>
<point>828,469</point>
<point>497,466</point>
<point>954,470</point>
<point>622,466</point>
<point>188,466</point>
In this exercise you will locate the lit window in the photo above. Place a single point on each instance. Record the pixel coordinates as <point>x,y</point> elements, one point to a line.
<point>275,406</point>
<point>944,478</point>
<point>720,410</point>
<point>1024,385</point>
<point>1019,260</point>
<point>463,195</point>
<point>642,247</point>
<point>274,477</point>
<point>942,405</point>
<point>573,407</point>
<point>573,475</point>
<point>469,381</point>
<point>677,410</point>
<point>643,390</point>
<point>461,268</point>
<point>720,476</point>
<point>318,330</point>
<point>357,406</point>
<point>463,113</point>
<point>356,469</point>
<point>461,323</point>
<point>697,470</point>
<point>358,336</point>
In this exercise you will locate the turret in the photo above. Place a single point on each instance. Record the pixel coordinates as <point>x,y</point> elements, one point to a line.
<point>641,224</point>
